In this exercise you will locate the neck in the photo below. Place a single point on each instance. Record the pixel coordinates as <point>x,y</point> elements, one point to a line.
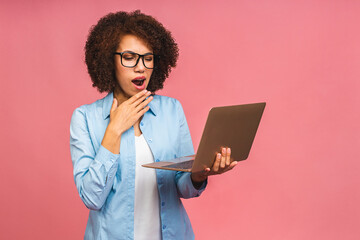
<point>120,95</point>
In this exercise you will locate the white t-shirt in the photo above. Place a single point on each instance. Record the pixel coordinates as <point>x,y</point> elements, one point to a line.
<point>146,212</point>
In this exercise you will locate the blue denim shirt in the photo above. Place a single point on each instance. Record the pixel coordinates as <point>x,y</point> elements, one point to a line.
<point>106,181</point>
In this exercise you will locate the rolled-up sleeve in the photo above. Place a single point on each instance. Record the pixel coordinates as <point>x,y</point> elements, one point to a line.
<point>184,184</point>
<point>94,171</point>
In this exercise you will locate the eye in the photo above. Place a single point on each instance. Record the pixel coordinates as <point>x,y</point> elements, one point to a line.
<point>148,58</point>
<point>129,56</point>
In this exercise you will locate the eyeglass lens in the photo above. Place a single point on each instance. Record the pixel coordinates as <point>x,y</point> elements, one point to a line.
<point>131,60</point>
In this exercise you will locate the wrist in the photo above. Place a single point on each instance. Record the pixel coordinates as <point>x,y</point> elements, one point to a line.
<point>197,181</point>
<point>113,131</point>
<point>111,141</point>
<point>195,178</point>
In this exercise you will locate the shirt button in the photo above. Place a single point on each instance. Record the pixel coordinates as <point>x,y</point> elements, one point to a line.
<point>142,124</point>
<point>157,160</point>
<point>150,140</point>
<point>164,226</point>
<point>162,203</point>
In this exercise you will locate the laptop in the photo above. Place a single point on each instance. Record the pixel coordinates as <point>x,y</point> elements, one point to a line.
<point>229,126</point>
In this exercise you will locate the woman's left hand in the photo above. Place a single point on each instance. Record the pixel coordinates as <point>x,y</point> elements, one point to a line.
<point>221,164</point>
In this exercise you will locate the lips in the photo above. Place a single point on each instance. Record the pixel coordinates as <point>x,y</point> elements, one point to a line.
<point>139,81</point>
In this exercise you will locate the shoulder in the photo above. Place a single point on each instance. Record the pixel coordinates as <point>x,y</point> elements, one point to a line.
<point>167,106</point>
<point>164,101</point>
<point>91,110</point>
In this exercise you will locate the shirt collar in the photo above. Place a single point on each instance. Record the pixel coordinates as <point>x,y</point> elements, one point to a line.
<point>108,100</point>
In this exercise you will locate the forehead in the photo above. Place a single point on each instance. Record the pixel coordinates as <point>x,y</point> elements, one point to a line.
<point>133,43</point>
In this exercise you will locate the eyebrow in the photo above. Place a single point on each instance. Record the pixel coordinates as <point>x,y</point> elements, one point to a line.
<point>136,52</point>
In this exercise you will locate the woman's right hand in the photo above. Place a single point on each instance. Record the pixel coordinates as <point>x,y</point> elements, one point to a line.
<point>125,115</point>
<point>122,117</point>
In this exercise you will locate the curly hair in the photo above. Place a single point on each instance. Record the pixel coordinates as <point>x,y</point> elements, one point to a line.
<point>104,39</point>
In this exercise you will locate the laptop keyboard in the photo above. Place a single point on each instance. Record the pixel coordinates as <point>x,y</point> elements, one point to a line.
<point>182,165</point>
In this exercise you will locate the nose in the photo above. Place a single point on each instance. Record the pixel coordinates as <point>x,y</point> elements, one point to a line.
<point>140,67</point>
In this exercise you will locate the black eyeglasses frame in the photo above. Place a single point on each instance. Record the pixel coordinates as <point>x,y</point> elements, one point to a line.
<point>137,61</point>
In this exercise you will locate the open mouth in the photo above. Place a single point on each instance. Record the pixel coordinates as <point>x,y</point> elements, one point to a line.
<point>138,82</point>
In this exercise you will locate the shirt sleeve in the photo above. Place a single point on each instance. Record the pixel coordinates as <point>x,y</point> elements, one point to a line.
<point>183,181</point>
<point>94,173</point>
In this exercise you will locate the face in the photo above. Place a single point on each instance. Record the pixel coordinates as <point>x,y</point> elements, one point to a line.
<point>135,79</point>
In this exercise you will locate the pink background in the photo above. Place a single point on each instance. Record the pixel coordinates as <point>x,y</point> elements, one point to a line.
<point>301,180</point>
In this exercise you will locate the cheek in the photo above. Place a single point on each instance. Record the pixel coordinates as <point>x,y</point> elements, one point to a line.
<point>150,74</point>
<point>121,75</point>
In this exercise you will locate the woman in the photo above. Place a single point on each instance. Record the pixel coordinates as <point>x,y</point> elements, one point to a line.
<point>129,55</point>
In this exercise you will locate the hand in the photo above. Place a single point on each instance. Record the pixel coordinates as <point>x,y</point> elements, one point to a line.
<point>125,115</point>
<point>222,164</point>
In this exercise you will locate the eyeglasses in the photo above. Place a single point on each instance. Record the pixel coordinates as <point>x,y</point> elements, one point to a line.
<point>130,59</point>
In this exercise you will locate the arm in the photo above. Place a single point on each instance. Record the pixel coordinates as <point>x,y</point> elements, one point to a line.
<point>93,173</point>
<point>185,186</point>
<point>192,184</point>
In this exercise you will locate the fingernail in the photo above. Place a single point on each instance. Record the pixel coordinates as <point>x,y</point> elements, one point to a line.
<point>229,150</point>
<point>219,155</point>
<point>224,150</point>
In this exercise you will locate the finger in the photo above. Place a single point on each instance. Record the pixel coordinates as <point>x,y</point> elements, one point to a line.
<point>114,105</point>
<point>144,104</point>
<point>137,96</point>
<point>142,112</point>
<point>223,158</point>
<point>141,99</point>
<point>207,172</point>
<point>232,165</point>
<point>228,154</point>
<point>216,165</point>
<point>204,173</point>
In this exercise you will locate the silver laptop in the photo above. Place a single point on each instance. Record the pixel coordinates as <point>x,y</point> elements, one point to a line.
<point>230,126</point>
